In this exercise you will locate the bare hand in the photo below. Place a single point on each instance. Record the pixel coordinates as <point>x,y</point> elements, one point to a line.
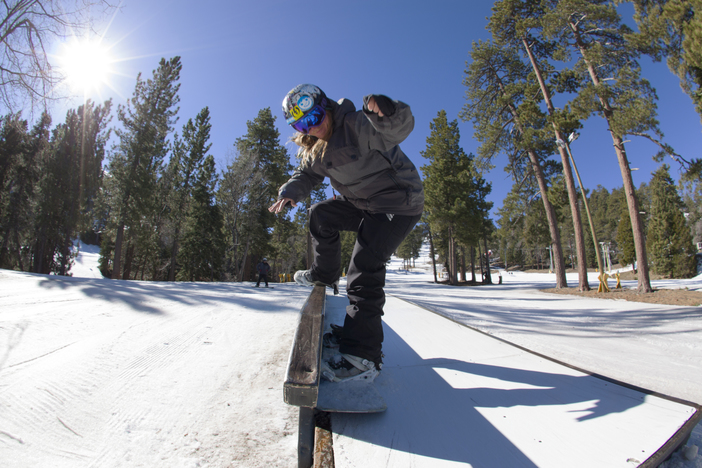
<point>373,107</point>
<point>278,206</point>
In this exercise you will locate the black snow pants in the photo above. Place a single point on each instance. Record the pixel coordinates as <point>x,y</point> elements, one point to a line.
<point>378,236</point>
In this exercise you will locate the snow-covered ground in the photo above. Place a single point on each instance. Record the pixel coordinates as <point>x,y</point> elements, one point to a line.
<point>657,347</point>
<point>86,263</point>
<point>95,372</point>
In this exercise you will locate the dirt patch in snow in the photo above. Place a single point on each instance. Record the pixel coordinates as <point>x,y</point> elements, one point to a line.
<point>678,297</point>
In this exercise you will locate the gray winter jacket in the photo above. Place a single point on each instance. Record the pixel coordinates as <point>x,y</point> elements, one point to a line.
<point>364,162</point>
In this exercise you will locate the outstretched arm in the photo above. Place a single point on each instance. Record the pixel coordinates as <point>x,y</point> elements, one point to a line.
<point>384,123</point>
<point>278,206</point>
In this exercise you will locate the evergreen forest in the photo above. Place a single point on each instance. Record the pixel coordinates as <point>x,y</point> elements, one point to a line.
<point>144,186</point>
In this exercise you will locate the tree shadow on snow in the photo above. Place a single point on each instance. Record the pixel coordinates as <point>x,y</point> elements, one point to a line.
<point>567,315</point>
<point>159,297</point>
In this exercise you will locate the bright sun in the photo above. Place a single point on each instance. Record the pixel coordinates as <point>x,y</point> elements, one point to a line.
<point>85,64</point>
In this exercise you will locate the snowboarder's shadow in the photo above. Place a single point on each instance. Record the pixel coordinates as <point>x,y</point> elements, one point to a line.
<point>461,411</point>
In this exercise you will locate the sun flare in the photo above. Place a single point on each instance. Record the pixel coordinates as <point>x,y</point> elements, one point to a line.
<point>85,65</point>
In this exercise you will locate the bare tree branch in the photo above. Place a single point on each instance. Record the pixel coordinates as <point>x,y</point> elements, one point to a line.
<point>666,149</point>
<point>27,79</point>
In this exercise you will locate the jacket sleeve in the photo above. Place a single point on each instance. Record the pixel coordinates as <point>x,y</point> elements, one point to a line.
<point>384,133</point>
<point>299,186</point>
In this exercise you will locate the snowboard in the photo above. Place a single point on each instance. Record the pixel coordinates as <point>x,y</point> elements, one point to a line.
<point>345,397</point>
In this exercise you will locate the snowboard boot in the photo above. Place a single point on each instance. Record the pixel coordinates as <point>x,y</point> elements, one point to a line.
<point>332,339</point>
<point>304,277</point>
<point>345,367</point>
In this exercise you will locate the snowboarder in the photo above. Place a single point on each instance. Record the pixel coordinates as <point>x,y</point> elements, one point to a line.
<point>381,199</point>
<point>263,269</point>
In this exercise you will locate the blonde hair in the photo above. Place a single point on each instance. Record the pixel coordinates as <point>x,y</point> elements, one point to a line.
<point>311,147</point>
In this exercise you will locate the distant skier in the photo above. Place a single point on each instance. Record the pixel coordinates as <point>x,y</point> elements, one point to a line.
<point>263,269</point>
<point>381,199</point>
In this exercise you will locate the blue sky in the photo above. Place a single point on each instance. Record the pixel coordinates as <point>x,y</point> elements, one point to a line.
<point>242,56</point>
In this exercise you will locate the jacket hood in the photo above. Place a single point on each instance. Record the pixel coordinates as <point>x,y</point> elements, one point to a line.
<point>340,109</point>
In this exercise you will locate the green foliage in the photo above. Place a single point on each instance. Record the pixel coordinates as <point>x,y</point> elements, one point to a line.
<point>523,233</point>
<point>19,173</point>
<point>135,203</point>
<point>625,239</point>
<point>48,186</point>
<point>202,253</point>
<point>187,158</point>
<point>518,26</point>
<point>71,178</point>
<point>691,192</point>
<point>506,117</point>
<point>412,244</point>
<point>455,195</point>
<point>348,242</point>
<point>249,187</point>
<point>669,238</point>
<point>511,225</point>
<point>672,29</point>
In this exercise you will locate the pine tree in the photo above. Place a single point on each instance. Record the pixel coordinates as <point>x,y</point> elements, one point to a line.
<point>147,119</point>
<point>672,29</point>
<point>235,195</point>
<point>506,120</point>
<point>594,32</point>
<point>511,226</point>
<point>669,238</point>
<point>536,234</point>
<point>515,24</point>
<point>71,178</point>
<point>410,247</point>
<point>187,156</point>
<point>691,190</point>
<point>248,188</point>
<point>202,253</point>
<point>20,153</point>
<point>454,195</point>
<point>263,139</point>
<point>625,239</point>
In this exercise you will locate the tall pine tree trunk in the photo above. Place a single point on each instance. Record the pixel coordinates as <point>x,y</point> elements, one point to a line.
<point>557,249</point>
<point>65,255</point>
<point>488,276</point>
<point>644,283</point>
<point>19,251</point>
<point>558,262</point>
<point>174,255</point>
<point>128,259</point>
<point>433,258</point>
<point>240,275</point>
<point>568,173</point>
<point>452,257</point>
<point>472,264</point>
<point>117,262</point>
<point>463,264</point>
<point>39,249</point>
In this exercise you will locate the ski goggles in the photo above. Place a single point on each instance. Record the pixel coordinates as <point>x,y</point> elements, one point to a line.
<point>312,119</point>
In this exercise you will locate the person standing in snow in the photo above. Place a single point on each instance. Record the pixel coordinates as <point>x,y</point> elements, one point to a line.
<point>381,199</point>
<point>263,269</point>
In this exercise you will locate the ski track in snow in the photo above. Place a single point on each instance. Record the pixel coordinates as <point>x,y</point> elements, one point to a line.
<point>145,374</point>
<point>102,373</point>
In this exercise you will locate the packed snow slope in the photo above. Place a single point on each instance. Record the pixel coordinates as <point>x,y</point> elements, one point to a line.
<point>103,373</point>
<point>655,346</point>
